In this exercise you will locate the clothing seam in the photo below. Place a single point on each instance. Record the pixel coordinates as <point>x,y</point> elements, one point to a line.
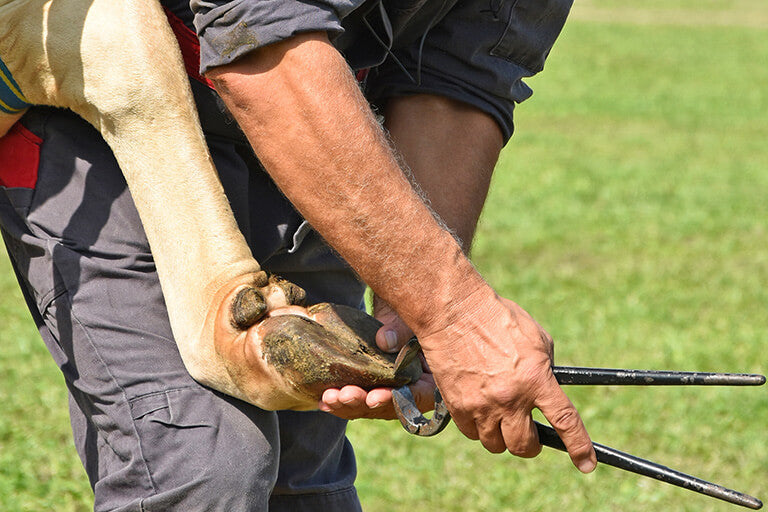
<point>48,297</point>
<point>44,115</point>
<point>160,392</point>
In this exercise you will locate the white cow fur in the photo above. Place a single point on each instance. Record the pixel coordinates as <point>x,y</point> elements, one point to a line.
<point>117,64</point>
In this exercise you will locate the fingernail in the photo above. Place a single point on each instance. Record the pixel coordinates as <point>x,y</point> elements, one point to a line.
<point>586,466</point>
<point>347,402</point>
<point>377,404</point>
<point>390,337</point>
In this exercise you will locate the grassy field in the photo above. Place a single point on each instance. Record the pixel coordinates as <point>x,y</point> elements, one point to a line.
<point>629,215</point>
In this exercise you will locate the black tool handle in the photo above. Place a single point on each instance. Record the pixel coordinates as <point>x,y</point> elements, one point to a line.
<point>608,376</point>
<point>633,464</point>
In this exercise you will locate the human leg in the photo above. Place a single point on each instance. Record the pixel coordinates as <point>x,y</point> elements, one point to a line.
<point>149,436</point>
<point>317,465</point>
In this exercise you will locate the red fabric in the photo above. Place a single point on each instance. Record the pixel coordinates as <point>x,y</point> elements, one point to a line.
<point>190,47</point>
<point>19,158</point>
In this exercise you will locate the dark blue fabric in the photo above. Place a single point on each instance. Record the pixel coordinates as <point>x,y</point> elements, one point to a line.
<point>478,53</point>
<point>474,51</point>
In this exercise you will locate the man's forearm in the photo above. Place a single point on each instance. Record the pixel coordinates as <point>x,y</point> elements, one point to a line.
<point>451,149</point>
<point>314,132</point>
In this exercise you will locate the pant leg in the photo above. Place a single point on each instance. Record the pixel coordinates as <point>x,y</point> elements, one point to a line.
<point>149,436</point>
<point>327,483</point>
<point>317,463</point>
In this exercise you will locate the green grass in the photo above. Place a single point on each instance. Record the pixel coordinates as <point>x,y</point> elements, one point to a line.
<point>629,215</point>
<point>39,469</point>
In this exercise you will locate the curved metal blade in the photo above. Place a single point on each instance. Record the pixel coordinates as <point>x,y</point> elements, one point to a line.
<point>412,419</point>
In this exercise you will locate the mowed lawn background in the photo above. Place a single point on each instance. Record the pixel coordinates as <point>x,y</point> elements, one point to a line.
<point>629,215</point>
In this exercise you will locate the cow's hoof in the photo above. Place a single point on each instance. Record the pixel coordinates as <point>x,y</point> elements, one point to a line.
<point>252,302</point>
<point>329,346</point>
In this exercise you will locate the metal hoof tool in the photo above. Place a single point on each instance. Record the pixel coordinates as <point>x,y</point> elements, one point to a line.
<point>416,423</point>
<point>405,404</point>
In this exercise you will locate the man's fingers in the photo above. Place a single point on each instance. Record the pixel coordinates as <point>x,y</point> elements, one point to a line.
<point>490,435</point>
<point>330,400</point>
<point>351,402</point>
<point>352,396</point>
<point>520,436</point>
<point>424,393</point>
<point>378,397</point>
<point>349,396</point>
<point>466,426</point>
<point>391,337</point>
<point>394,333</point>
<point>564,418</point>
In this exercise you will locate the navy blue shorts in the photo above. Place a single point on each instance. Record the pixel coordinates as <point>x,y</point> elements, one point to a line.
<point>474,51</point>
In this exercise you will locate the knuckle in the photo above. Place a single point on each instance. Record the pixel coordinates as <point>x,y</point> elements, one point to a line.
<point>526,450</point>
<point>467,428</point>
<point>471,434</point>
<point>567,420</point>
<point>466,405</point>
<point>493,445</point>
<point>549,343</point>
<point>491,436</point>
<point>581,448</point>
<point>522,442</point>
<point>535,376</point>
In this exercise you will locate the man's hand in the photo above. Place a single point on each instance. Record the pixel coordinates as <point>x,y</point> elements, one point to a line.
<point>394,334</point>
<point>352,402</point>
<point>504,357</point>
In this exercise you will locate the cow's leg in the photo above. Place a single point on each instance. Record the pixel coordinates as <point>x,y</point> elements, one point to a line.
<point>117,64</point>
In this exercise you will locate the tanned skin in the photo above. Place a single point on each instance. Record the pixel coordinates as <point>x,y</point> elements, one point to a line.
<point>451,149</point>
<point>310,125</point>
